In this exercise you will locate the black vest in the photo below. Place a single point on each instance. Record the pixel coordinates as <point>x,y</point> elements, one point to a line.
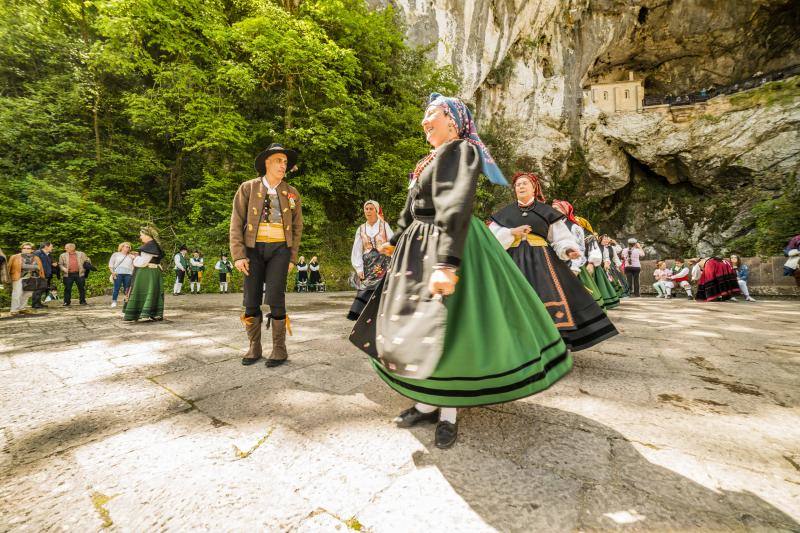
<point>539,218</point>
<point>154,249</point>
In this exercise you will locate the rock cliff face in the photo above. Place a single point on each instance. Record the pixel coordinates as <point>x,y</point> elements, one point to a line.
<point>524,65</point>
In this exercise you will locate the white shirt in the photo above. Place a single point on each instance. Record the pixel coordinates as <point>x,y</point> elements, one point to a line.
<point>558,236</point>
<point>196,261</point>
<point>178,264</point>
<point>357,254</point>
<point>143,259</point>
<point>270,190</point>
<point>696,272</point>
<point>610,254</point>
<point>120,263</point>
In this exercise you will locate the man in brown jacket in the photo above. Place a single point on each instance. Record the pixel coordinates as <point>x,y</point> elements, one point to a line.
<point>265,231</point>
<point>71,263</point>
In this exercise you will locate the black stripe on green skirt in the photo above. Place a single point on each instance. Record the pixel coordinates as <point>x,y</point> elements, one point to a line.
<point>473,393</point>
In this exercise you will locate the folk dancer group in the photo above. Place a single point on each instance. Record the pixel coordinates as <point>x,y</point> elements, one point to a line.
<point>449,318</point>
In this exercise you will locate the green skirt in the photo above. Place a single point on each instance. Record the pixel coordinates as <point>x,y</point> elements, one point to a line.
<point>588,282</point>
<point>147,295</point>
<point>610,295</point>
<point>499,343</point>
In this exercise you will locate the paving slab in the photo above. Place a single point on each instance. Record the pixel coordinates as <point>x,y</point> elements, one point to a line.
<point>688,420</point>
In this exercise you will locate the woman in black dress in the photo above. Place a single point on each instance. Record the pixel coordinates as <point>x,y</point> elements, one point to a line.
<point>538,240</point>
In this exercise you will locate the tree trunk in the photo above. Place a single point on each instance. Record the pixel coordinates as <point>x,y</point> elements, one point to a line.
<point>287,117</point>
<point>95,84</point>
<point>96,120</point>
<point>174,196</point>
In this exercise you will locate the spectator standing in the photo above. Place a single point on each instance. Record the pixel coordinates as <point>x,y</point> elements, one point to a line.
<point>742,276</point>
<point>121,266</point>
<point>181,262</point>
<point>224,267</point>
<point>43,253</point>
<point>632,256</point>
<point>5,279</point>
<point>73,272</point>
<point>27,275</point>
<point>196,268</point>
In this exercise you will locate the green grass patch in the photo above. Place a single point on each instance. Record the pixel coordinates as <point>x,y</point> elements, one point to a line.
<point>773,93</point>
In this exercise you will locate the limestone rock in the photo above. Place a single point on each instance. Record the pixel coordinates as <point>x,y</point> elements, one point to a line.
<point>525,63</point>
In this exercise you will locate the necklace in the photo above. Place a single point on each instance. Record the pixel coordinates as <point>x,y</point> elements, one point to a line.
<point>422,164</point>
<point>527,208</point>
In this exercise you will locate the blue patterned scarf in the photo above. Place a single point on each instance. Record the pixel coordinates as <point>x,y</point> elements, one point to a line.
<point>465,125</point>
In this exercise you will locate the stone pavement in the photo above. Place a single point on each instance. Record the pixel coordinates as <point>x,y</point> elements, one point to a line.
<point>689,420</point>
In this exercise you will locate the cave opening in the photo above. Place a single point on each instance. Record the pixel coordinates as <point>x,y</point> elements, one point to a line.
<point>643,12</point>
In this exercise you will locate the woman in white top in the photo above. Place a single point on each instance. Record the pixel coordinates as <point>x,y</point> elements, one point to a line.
<point>121,266</point>
<point>370,265</point>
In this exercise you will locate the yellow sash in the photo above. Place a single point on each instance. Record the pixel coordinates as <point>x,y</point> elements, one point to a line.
<point>532,238</point>
<point>270,232</point>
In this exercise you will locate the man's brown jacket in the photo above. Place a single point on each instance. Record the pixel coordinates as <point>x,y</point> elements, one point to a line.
<point>248,203</point>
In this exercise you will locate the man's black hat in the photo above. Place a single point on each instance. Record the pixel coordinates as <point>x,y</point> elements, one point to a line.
<point>183,247</point>
<point>275,148</point>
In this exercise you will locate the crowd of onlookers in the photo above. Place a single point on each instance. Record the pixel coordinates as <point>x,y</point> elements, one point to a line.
<point>706,93</point>
<point>690,275</point>
<point>31,274</point>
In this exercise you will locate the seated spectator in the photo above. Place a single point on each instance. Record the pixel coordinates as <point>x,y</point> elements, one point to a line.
<point>663,285</point>
<point>680,276</point>
<point>791,267</point>
<point>27,274</point>
<point>742,276</point>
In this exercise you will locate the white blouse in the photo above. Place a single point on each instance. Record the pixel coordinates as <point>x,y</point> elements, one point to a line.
<point>558,236</point>
<point>120,263</point>
<point>142,260</point>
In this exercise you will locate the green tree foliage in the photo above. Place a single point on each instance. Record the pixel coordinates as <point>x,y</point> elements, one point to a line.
<point>114,113</point>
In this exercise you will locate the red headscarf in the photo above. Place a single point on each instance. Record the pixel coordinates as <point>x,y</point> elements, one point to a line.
<point>534,179</point>
<point>566,208</point>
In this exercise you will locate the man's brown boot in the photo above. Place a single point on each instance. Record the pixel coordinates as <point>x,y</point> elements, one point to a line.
<point>252,325</point>
<point>279,354</point>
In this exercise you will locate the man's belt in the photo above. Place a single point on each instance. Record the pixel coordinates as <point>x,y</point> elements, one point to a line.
<point>532,238</point>
<point>270,232</point>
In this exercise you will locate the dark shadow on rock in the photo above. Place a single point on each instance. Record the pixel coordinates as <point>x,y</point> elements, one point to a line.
<point>525,467</point>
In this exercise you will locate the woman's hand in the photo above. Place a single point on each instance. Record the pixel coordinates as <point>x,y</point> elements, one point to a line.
<point>521,231</point>
<point>573,253</point>
<point>607,264</point>
<point>443,281</point>
<point>361,276</point>
<point>590,268</point>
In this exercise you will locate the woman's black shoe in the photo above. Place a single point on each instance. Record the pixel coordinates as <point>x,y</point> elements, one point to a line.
<point>446,434</point>
<point>412,417</point>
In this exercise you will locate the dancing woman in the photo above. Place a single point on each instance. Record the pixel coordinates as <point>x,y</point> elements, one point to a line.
<point>538,240</point>
<point>580,266</point>
<point>454,323</point>
<point>368,262</point>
